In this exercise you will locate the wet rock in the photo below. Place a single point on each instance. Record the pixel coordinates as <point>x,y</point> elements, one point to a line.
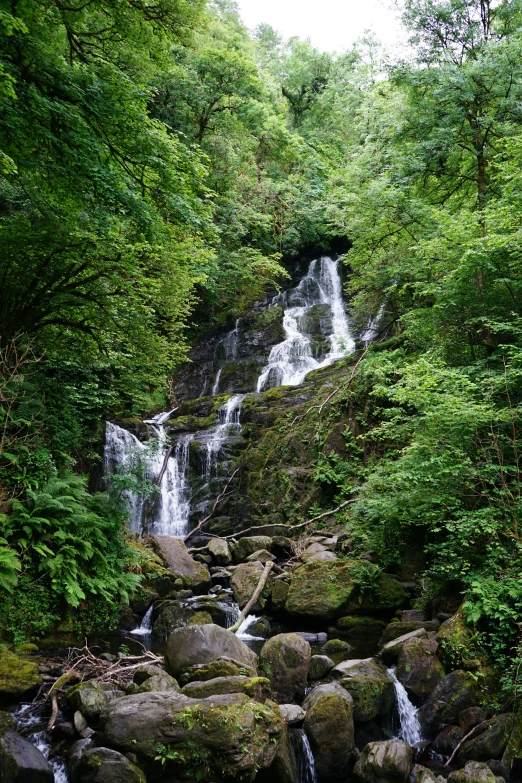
<point>453,637</point>
<point>169,616</point>
<point>74,756</point>
<point>490,743</point>
<point>384,762</point>
<point>201,644</point>
<point>359,626</point>
<point>454,693</point>
<point>320,666</point>
<point>470,717</point>
<point>22,762</point>
<point>7,723</point>
<point>421,774</point>
<point>261,556</point>
<point>222,667</point>
<point>200,618</point>
<point>391,651</point>
<point>159,682</point>
<point>143,673</point>
<point>279,589</point>
<point>261,627</point>
<point>418,668</point>
<point>258,688</point>
<point>285,660</point>
<point>90,698</point>
<point>329,727</point>
<point>193,575</point>
<point>336,646</point>
<point>246,546</point>
<point>19,677</point>
<point>293,714</point>
<point>244,581</point>
<point>101,765</point>
<point>232,734</point>
<point>370,686</point>
<point>473,772</point>
<point>368,732</point>
<point>220,551</point>
<point>447,740</point>
<point>397,629</point>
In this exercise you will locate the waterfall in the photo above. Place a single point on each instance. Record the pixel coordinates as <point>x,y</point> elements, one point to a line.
<point>231,614</point>
<point>290,361</point>
<point>123,451</point>
<point>215,387</point>
<point>241,632</point>
<point>372,327</point>
<point>145,627</point>
<point>30,724</point>
<point>229,422</point>
<point>410,730</point>
<point>172,514</point>
<point>306,760</point>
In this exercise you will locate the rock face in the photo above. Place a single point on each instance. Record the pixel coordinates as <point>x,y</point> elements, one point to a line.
<point>91,698</point>
<point>370,686</point>
<point>455,692</point>
<point>384,762</point>
<point>330,589</point>
<point>490,743</point>
<point>227,736</point>
<point>101,765</point>
<point>258,688</point>
<point>418,668</point>
<point>285,660</point>
<point>244,581</point>
<point>220,551</point>
<point>21,762</point>
<point>194,575</point>
<point>202,644</point>
<point>329,728</point>
<point>18,677</point>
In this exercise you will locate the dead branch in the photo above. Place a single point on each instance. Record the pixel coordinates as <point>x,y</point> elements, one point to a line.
<point>463,740</point>
<point>219,498</point>
<point>255,595</point>
<point>60,682</point>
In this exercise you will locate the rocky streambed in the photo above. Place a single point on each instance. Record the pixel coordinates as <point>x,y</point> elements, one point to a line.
<point>345,680</point>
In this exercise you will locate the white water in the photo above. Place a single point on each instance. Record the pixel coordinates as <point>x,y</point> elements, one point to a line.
<point>26,719</point>
<point>229,423</point>
<point>231,614</point>
<point>290,362</point>
<point>215,387</point>
<point>410,730</point>
<point>372,327</point>
<point>241,632</point>
<point>306,761</point>
<point>145,627</point>
<point>122,451</point>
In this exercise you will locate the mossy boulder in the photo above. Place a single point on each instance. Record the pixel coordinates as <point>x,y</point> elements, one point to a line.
<point>160,682</point>
<point>91,698</point>
<point>7,723</point>
<point>22,762</point>
<point>244,581</point>
<point>168,616</point>
<point>384,762</point>
<point>220,551</point>
<point>419,669</point>
<point>369,685</point>
<point>200,618</point>
<point>257,688</point>
<point>391,651</point>
<point>246,546</point>
<point>228,736</point>
<point>329,727</point>
<point>222,667</point>
<point>143,673</point>
<point>320,666</point>
<point>279,589</point>
<point>19,677</point>
<point>192,574</point>
<point>336,646</point>
<point>102,765</point>
<point>473,772</point>
<point>353,625</point>
<point>200,644</point>
<point>285,660</point>
<point>455,639</point>
<point>490,743</point>
<point>326,590</point>
<point>454,693</point>
<point>397,629</point>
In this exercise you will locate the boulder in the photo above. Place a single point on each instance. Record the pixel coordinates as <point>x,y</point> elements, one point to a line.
<point>278,594</point>
<point>7,723</point>
<point>447,740</point>
<point>454,693</point>
<point>391,651</point>
<point>320,666</point>
<point>91,698</point>
<point>384,762</point>
<point>292,713</point>
<point>19,677</point>
<point>220,551</point>
<point>329,727</point>
<point>200,618</point>
<point>418,668</point>
<point>285,766</point>
<point>370,686</point>
<point>222,667</point>
<point>74,756</point>
<point>396,629</point>
<point>201,644</point>
<point>159,682</point>
<point>261,556</point>
<point>490,743</point>
<point>422,775</point>
<point>194,575</point>
<point>22,762</point>
<point>245,547</point>
<point>325,590</point>
<point>471,717</point>
<point>454,637</point>
<point>352,625</point>
<point>101,765</point>
<point>143,673</point>
<point>227,736</point>
<point>336,646</point>
<point>473,772</point>
<point>169,616</point>
<point>285,660</point>
<point>244,581</point>
<point>258,688</point>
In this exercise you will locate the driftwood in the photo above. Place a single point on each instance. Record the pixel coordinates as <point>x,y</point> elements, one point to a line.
<point>224,494</point>
<point>255,595</point>
<point>463,740</point>
<point>53,694</point>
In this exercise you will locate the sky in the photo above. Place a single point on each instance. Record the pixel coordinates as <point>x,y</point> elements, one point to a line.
<point>331,25</point>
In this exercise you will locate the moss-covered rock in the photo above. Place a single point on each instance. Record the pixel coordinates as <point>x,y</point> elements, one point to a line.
<point>91,698</point>
<point>202,644</point>
<point>384,762</point>
<point>222,667</point>
<point>419,669</point>
<point>19,677</point>
<point>102,765</point>
<point>336,646</point>
<point>397,629</point>
<point>320,666</point>
<point>455,640</point>
<point>353,625</point>
<point>455,692</point>
<point>200,618</point>
<point>159,682</point>
<point>490,743</point>
<point>329,728</point>
<point>244,581</point>
<point>285,660</point>
<point>279,589</point>
<point>22,762</point>
<point>257,688</point>
<point>246,546</point>
<point>369,685</point>
<point>7,723</point>
<point>473,772</point>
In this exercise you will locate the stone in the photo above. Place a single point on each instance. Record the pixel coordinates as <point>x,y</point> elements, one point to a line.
<point>359,626</point>
<point>418,668</point>
<point>454,638</point>
<point>320,666</point>
<point>228,736</point>
<point>397,629</point>
<point>246,546</point>
<point>102,765</point>
<point>7,723</point>
<point>490,743</point>
<point>473,772</point>
<point>278,594</point>
<point>391,651</point>
<point>447,740</point>
<point>455,692</point>
<point>423,775</point>
<point>90,698</point>
<point>244,581</point>
<point>336,646</point>
<point>292,713</point>
<point>169,616</point>
<point>143,673</point>
<point>22,762</point>
<point>159,682</point>
<point>194,575</point>
<point>19,677</point>
<point>74,756</point>
<point>370,686</point>
<point>471,717</point>
<point>368,732</point>
<point>384,762</point>
<point>261,556</point>
<point>329,727</point>
<point>200,618</point>
<point>222,667</point>
<point>258,688</point>
<point>325,590</point>
<point>220,551</point>
<point>200,644</point>
<point>285,660</point>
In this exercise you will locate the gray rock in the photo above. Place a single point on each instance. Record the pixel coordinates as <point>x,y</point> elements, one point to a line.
<point>490,743</point>
<point>90,698</point>
<point>285,660</point>
<point>418,668</point>
<point>320,666</point>
<point>74,756</point>
<point>143,673</point>
<point>244,581</point>
<point>455,692</point>
<point>258,688</point>
<point>194,575</point>
<point>160,682</point>
<point>384,762</point>
<point>220,551</point>
<point>329,727</point>
<point>246,546</point>
<point>391,651</point>
<point>447,740</point>
<point>22,762</point>
<point>261,556</point>
<point>101,765</point>
<point>473,772</point>
<point>422,775</point>
<point>370,686</point>
<point>292,713</point>
<point>222,667</point>
<point>397,629</point>
<point>203,644</point>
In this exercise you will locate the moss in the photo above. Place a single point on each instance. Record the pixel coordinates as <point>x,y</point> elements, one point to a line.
<point>18,676</point>
<point>200,618</point>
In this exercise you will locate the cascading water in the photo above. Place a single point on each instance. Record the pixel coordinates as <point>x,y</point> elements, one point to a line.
<point>31,725</point>
<point>305,759</point>
<point>171,517</point>
<point>122,452</point>
<point>410,730</point>
<point>372,327</point>
<point>241,632</point>
<point>229,423</point>
<point>145,627</point>
<point>290,362</point>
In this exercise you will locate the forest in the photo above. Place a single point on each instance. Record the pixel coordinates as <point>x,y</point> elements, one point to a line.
<point>160,167</point>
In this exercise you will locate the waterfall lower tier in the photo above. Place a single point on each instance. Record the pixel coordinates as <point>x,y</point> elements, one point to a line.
<point>145,627</point>
<point>305,759</point>
<point>410,730</point>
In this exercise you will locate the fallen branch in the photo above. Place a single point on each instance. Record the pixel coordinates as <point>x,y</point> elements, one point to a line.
<point>60,682</point>
<point>463,740</point>
<point>219,498</point>
<point>257,592</point>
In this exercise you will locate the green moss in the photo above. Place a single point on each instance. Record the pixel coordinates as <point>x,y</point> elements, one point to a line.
<point>18,675</point>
